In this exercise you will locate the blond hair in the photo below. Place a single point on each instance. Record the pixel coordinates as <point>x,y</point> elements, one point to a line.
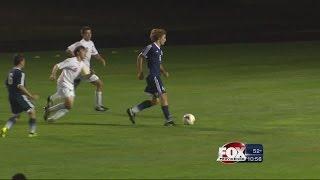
<point>156,34</point>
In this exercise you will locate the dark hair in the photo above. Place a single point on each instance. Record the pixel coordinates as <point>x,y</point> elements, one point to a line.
<point>19,176</point>
<point>78,49</point>
<point>17,58</point>
<point>84,28</point>
<point>156,34</point>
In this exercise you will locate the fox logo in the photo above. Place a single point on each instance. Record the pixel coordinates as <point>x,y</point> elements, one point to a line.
<point>232,152</point>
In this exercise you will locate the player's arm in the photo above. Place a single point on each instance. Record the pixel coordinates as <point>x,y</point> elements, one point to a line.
<point>27,93</point>
<point>140,60</point>
<point>100,58</point>
<point>23,90</point>
<point>163,71</point>
<point>54,71</point>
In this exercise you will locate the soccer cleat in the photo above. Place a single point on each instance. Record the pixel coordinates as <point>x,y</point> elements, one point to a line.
<point>3,132</point>
<point>131,115</point>
<point>169,123</point>
<point>46,113</point>
<point>32,134</point>
<point>49,101</point>
<point>101,108</point>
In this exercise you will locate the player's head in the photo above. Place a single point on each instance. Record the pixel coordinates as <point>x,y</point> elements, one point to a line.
<point>19,176</point>
<point>80,52</point>
<point>158,35</point>
<point>86,33</point>
<point>19,60</point>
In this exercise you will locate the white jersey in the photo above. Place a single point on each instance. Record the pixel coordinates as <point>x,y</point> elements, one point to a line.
<point>71,69</point>
<point>90,47</point>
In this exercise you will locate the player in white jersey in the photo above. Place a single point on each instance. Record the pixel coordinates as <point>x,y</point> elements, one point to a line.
<point>71,69</point>
<point>86,41</point>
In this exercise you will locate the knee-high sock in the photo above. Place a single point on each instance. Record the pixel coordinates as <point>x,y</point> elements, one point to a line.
<point>55,97</point>
<point>98,98</point>
<point>57,107</point>
<point>144,105</point>
<point>11,121</point>
<point>166,113</point>
<point>32,125</point>
<point>59,114</point>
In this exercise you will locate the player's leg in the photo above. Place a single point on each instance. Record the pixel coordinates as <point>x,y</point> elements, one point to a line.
<point>50,102</point>
<point>60,109</point>
<point>57,111</point>
<point>55,97</point>
<point>164,102</point>
<point>145,104</point>
<point>94,80</point>
<point>140,107</point>
<point>52,98</point>
<point>165,109</point>
<point>11,121</point>
<point>32,122</point>
<point>16,110</point>
<point>27,106</point>
<point>18,105</point>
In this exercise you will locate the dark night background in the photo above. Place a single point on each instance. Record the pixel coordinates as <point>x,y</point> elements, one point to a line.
<point>44,25</point>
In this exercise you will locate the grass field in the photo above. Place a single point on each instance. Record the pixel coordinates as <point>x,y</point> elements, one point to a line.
<point>254,93</point>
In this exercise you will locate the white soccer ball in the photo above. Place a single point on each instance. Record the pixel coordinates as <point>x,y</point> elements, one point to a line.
<point>188,119</point>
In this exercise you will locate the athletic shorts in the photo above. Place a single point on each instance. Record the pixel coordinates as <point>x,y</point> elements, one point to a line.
<point>154,86</point>
<point>65,92</point>
<point>20,103</point>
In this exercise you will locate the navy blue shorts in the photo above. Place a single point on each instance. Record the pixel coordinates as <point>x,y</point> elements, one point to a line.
<point>154,86</point>
<point>19,104</point>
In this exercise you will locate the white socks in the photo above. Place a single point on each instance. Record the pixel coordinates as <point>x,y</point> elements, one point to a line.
<point>99,98</point>
<point>57,107</point>
<point>135,109</point>
<point>59,111</point>
<point>59,114</point>
<point>54,97</point>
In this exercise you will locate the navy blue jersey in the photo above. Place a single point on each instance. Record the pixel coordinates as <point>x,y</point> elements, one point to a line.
<point>153,55</point>
<point>15,77</point>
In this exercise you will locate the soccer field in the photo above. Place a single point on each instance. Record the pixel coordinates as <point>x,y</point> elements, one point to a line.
<point>254,93</point>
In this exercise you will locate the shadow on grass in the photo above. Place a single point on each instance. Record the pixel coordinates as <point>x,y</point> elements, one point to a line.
<point>87,124</point>
<point>178,126</point>
<point>143,116</point>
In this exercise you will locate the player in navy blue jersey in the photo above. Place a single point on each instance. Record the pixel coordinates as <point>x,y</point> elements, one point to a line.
<point>19,97</point>
<point>152,54</point>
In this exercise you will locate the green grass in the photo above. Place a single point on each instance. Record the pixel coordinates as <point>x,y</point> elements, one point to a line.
<point>254,93</point>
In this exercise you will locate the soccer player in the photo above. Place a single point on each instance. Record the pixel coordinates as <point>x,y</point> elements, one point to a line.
<point>86,41</point>
<point>71,69</point>
<point>19,97</point>
<point>152,54</point>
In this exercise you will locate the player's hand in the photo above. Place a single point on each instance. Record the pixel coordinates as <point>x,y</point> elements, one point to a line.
<point>52,77</point>
<point>166,74</point>
<point>34,97</point>
<point>140,76</point>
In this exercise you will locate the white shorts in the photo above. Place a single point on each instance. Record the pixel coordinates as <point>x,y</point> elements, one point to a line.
<point>64,92</point>
<point>92,78</point>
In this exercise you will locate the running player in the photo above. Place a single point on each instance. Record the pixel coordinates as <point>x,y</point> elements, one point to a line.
<point>19,97</point>
<point>153,55</point>
<point>86,42</point>
<point>71,69</point>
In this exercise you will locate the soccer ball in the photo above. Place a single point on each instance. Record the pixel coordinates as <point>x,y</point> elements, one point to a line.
<point>188,119</point>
